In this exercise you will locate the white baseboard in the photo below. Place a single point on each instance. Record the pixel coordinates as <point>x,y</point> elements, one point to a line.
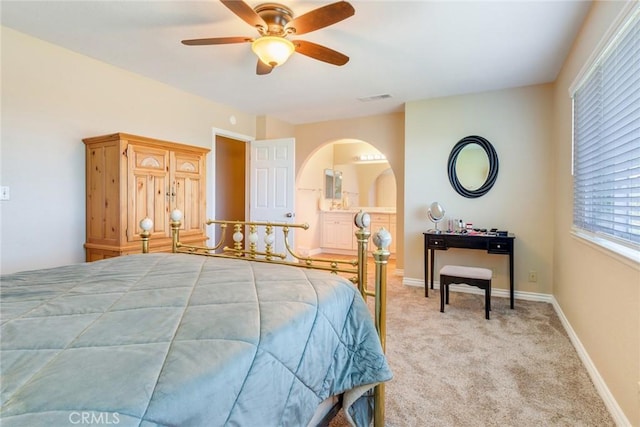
<point>314,252</point>
<point>413,282</point>
<point>610,402</point>
<point>500,293</point>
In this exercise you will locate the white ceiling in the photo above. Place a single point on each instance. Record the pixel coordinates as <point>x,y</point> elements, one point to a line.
<point>410,50</point>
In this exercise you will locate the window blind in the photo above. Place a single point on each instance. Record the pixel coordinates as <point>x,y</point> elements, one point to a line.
<point>606,152</point>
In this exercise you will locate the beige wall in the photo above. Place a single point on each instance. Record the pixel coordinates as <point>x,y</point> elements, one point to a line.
<point>51,99</point>
<point>272,128</point>
<point>517,122</point>
<point>384,132</point>
<point>599,293</point>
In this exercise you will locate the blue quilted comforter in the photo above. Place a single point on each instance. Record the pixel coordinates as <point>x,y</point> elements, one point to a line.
<point>181,340</point>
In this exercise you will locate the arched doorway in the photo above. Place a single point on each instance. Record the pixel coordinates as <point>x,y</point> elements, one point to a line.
<point>367,181</point>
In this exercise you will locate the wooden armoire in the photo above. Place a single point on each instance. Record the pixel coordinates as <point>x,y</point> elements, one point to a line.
<point>131,177</point>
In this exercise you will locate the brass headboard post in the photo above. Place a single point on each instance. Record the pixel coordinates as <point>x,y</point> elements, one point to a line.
<point>175,222</point>
<point>146,224</point>
<point>382,239</point>
<point>362,221</point>
<point>145,241</point>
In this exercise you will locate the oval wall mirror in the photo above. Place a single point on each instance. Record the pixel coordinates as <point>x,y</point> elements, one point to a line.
<point>473,166</point>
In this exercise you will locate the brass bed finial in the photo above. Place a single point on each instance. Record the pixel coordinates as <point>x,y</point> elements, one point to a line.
<point>146,224</point>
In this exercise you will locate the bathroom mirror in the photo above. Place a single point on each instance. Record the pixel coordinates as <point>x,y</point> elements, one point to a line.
<point>332,184</point>
<point>473,166</point>
<point>436,214</point>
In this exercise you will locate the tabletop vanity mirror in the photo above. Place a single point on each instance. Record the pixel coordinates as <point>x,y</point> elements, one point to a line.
<point>473,166</point>
<point>436,214</point>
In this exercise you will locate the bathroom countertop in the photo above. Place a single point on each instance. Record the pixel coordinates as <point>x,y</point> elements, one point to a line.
<point>368,209</point>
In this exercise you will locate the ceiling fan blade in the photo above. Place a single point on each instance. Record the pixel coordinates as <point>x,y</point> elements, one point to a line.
<point>321,17</point>
<point>245,12</point>
<point>321,53</point>
<point>217,40</point>
<point>262,68</point>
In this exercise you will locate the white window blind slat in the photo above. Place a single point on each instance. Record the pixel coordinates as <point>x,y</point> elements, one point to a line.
<point>607,142</point>
<point>620,152</point>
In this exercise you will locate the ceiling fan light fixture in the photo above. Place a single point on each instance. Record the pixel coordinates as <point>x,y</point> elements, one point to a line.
<point>272,50</point>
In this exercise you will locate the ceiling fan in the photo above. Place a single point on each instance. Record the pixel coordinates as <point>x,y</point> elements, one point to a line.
<point>275,22</point>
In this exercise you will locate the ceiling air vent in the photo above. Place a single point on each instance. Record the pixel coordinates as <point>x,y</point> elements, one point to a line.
<point>374,98</point>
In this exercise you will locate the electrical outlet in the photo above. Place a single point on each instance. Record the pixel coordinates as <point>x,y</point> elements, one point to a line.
<point>5,194</point>
<point>533,276</point>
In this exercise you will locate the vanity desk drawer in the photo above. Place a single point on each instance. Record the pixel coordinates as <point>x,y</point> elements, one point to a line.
<point>499,247</point>
<point>437,243</point>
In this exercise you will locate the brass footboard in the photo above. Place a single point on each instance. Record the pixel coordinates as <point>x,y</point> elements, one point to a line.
<point>262,249</point>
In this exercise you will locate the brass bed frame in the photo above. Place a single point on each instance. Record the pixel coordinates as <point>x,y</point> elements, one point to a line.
<point>248,249</point>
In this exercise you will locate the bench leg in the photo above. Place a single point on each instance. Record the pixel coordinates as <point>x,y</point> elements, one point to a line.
<point>442,288</point>
<point>487,301</point>
<point>446,294</point>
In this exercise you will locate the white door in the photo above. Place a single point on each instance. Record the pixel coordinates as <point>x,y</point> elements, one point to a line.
<point>272,186</point>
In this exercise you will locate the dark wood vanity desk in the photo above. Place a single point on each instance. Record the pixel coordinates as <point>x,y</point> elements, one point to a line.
<point>493,244</point>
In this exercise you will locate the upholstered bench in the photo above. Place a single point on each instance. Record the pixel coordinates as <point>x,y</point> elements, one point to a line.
<point>474,276</point>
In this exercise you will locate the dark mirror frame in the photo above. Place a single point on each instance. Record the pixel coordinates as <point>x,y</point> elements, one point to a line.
<point>493,166</point>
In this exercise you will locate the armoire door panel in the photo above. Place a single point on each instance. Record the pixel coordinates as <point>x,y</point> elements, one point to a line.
<point>102,193</point>
<point>144,203</point>
<point>150,158</point>
<point>187,163</point>
<point>188,196</point>
<point>189,187</point>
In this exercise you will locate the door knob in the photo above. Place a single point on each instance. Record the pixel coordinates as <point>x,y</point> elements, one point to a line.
<point>290,214</point>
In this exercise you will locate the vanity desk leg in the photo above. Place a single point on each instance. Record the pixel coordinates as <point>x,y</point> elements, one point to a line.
<point>429,266</point>
<point>426,270</point>
<point>511,291</point>
<point>433,265</point>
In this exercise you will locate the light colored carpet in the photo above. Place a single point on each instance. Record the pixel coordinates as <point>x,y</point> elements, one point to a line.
<point>458,369</point>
